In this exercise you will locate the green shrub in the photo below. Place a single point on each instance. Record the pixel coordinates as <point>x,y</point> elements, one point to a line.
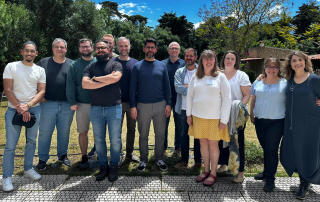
<point>252,75</point>
<point>253,153</point>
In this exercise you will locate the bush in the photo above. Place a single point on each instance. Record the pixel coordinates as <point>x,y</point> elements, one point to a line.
<point>252,75</point>
<point>253,153</point>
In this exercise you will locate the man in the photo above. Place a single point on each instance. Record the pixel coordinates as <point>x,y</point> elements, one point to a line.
<point>102,77</point>
<point>150,84</point>
<point>182,79</point>
<point>173,63</point>
<point>79,98</point>
<point>108,38</point>
<point>55,108</point>
<point>123,46</point>
<point>24,84</point>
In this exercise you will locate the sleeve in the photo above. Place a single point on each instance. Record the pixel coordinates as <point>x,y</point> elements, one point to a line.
<point>117,67</point>
<point>244,79</point>
<point>166,86</point>
<point>71,88</point>
<point>7,74</point>
<point>87,72</point>
<point>42,76</point>
<point>190,95</point>
<point>225,92</point>
<point>252,90</point>
<point>133,86</point>
<point>180,89</point>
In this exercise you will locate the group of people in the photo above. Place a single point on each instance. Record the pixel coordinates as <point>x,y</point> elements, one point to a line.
<point>205,100</point>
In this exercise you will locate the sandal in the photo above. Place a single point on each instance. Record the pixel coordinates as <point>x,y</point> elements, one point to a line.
<point>209,182</point>
<point>201,179</point>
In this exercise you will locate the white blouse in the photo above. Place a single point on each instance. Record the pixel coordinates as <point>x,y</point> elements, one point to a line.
<point>239,79</point>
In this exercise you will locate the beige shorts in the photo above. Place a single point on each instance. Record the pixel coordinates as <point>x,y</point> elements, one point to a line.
<point>83,117</point>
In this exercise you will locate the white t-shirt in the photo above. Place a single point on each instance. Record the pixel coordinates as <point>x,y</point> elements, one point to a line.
<point>209,98</point>
<point>240,78</point>
<point>187,80</point>
<point>25,80</point>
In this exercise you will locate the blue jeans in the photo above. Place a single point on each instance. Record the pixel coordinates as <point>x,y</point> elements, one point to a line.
<point>100,117</point>
<point>54,114</point>
<point>177,130</point>
<point>185,140</point>
<point>13,135</point>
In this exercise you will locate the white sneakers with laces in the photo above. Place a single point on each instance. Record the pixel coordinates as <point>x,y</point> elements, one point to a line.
<point>32,174</point>
<point>7,184</point>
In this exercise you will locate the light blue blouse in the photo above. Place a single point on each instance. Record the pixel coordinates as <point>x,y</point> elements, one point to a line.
<point>270,99</point>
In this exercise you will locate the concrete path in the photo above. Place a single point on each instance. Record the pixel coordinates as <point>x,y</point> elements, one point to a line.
<point>137,188</point>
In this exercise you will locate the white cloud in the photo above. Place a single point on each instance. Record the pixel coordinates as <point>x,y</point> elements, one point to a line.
<point>132,8</point>
<point>198,24</point>
<point>98,6</point>
<point>276,9</point>
<point>160,9</point>
<point>127,5</point>
<point>151,12</point>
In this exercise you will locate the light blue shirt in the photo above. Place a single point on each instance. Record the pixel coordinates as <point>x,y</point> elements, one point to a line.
<point>270,99</point>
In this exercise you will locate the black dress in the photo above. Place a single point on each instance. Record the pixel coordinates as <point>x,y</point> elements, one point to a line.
<point>300,147</point>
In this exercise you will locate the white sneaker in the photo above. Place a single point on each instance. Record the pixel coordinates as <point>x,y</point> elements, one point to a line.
<point>32,174</point>
<point>7,184</point>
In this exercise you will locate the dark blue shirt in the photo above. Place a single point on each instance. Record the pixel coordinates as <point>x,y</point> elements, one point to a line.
<point>150,82</point>
<point>126,75</point>
<point>172,68</point>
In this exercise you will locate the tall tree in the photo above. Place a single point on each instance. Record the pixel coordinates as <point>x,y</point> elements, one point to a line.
<point>136,19</point>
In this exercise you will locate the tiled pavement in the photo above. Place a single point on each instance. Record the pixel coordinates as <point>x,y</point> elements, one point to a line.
<point>137,188</point>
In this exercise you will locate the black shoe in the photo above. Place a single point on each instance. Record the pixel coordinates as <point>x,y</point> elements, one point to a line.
<point>133,158</point>
<point>269,185</point>
<point>84,163</point>
<point>92,153</point>
<point>113,173</point>
<point>104,171</point>
<point>163,167</point>
<point>41,165</point>
<point>303,190</point>
<point>142,166</point>
<point>64,159</point>
<point>260,176</point>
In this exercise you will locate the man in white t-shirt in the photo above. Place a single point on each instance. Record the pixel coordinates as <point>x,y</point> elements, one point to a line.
<point>182,79</point>
<point>24,84</point>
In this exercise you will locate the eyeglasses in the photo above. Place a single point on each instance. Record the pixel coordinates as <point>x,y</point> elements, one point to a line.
<point>272,68</point>
<point>174,49</point>
<point>101,48</point>
<point>30,51</point>
<point>84,47</point>
<point>149,48</point>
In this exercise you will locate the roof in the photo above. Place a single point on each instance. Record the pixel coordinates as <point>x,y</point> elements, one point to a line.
<point>314,57</point>
<point>250,59</point>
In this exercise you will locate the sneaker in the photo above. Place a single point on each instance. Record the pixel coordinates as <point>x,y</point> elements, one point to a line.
<point>32,174</point>
<point>84,162</point>
<point>142,166</point>
<point>181,164</point>
<point>41,165</point>
<point>92,153</point>
<point>104,171</point>
<point>163,167</point>
<point>269,185</point>
<point>260,176</point>
<point>113,173</point>
<point>7,184</point>
<point>133,158</point>
<point>64,159</point>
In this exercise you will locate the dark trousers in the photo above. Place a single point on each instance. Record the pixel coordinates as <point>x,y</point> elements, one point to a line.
<point>270,132</point>
<point>131,128</point>
<point>224,152</point>
<point>177,130</point>
<point>185,140</point>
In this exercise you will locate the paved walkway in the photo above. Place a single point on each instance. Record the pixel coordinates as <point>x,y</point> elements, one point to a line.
<point>138,188</point>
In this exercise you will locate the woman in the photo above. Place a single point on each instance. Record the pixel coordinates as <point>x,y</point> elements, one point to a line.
<point>267,112</point>
<point>301,139</point>
<point>208,109</point>
<point>240,90</point>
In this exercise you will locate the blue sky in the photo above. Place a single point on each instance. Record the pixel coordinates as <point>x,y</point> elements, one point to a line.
<point>153,9</point>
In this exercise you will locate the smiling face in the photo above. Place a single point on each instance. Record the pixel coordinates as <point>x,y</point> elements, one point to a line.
<point>272,70</point>
<point>297,63</point>
<point>190,58</point>
<point>174,50</point>
<point>150,50</point>
<point>102,52</point>
<point>230,60</point>
<point>59,49</point>
<point>123,47</point>
<point>208,63</point>
<point>86,49</point>
<point>29,52</point>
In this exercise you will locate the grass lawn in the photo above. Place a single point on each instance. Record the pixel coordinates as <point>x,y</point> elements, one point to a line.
<point>129,169</point>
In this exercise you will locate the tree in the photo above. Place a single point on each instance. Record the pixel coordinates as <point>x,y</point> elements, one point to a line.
<point>136,19</point>
<point>110,9</point>
<point>241,18</point>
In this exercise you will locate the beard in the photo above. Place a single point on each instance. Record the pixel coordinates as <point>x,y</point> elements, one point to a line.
<point>190,62</point>
<point>150,56</point>
<point>126,53</point>
<point>102,58</point>
<point>86,54</point>
<point>29,60</point>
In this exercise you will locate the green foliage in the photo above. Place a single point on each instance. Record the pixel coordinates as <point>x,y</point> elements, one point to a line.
<point>252,75</point>
<point>253,153</point>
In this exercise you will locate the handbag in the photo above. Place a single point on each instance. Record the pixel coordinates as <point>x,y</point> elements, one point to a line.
<point>18,120</point>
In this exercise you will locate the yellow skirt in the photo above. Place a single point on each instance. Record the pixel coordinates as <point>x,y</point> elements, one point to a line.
<point>209,129</point>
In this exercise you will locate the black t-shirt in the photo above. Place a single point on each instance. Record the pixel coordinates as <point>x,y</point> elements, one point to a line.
<point>56,78</point>
<point>108,95</point>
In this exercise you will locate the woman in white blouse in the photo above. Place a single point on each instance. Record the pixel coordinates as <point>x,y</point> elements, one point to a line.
<point>240,90</point>
<point>208,110</point>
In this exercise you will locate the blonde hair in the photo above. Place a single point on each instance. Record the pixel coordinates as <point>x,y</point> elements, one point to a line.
<point>108,35</point>
<point>289,72</point>
<point>215,70</point>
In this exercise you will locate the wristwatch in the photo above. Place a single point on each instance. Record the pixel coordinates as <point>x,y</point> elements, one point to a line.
<point>29,104</point>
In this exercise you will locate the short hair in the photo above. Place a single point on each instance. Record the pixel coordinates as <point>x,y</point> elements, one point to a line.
<point>101,41</point>
<point>172,43</point>
<point>123,38</point>
<point>29,42</point>
<point>59,40</point>
<point>237,63</point>
<point>85,40</point>
<point>275,61</point>
<point>150,40</point>
<point>191,49</point>
<point>108,35</point>
<point>289,72</point>
<point>215,70</point>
